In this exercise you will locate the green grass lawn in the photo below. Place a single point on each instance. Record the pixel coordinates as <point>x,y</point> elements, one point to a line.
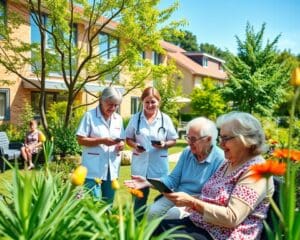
<point>124,175</point>
<point>180,145</point>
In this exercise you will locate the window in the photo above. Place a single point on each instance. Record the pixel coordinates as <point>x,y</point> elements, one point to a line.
<point>2,18</point>
<point>108,46</point>
<point>4,104</point>
<point>134,105</point>
<point>204,62</point>
<point>220,66</point>
<point>198,82</point>
<point>156,58</point>
<point>51,97</point>
<point>36,38</point>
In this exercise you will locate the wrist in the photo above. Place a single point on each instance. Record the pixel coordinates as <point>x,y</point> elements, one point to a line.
<point>194,205</point>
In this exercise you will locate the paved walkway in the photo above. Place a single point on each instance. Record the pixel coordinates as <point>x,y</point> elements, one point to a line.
<point>174,157</point>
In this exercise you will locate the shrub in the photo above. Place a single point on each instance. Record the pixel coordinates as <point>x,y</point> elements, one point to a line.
<point>65,140</point>
<point>64,137</point>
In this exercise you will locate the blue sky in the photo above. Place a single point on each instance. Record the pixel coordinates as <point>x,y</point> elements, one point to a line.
<point>218,21</point>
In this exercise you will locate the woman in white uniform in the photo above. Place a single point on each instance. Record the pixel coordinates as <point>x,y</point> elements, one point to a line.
<point>101,134</point>
<point>150,133</point>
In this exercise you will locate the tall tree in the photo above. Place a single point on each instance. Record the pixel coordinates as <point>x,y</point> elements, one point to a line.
<point>168,90</point>
<point>257,79</point>
<point>213,50</point>
<point>133,26</point>
<point>184,39</point>
<point>207,100</point>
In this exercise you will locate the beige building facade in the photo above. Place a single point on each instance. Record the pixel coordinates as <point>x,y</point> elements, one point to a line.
<point>15,92</point>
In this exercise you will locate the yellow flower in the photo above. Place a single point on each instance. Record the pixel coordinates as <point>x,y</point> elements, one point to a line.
<point>78,176</point>
<point>98,180</point>
<point>295,79</point>
<point>42,137</point>
<point>115,184</point>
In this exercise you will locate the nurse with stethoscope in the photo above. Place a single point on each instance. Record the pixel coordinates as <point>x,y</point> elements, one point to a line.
<point>150,133</point>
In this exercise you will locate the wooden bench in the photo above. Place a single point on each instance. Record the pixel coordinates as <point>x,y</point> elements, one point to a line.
<point>8,150</point>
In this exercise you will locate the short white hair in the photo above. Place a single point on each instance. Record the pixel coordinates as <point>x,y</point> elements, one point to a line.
<point>207,128</point>
<point>112,94</point>
<point>247,128</point>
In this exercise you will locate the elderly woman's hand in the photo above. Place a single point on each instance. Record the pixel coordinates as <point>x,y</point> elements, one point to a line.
<point>108,141</point>
<point>120,146</point>
<point>180,199</point>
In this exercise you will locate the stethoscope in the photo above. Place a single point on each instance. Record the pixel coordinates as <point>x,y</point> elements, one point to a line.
<point>161,129</point>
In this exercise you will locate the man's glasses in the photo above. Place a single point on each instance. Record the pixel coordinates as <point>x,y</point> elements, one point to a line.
<point>224,139</point>
<point>193,139</point>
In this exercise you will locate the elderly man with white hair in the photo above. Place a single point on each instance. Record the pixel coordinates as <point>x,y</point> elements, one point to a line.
<point>198,161</point>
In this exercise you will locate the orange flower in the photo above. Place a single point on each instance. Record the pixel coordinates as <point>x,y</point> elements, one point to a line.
<point>283,153</point>
<point>280,153</point>
<point>295,155</point>
<point>267,169</point>
<point>136,192</point>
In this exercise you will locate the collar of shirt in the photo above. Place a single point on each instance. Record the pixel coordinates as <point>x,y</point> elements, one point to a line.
<point>157,117</point>
<point>209,158</point>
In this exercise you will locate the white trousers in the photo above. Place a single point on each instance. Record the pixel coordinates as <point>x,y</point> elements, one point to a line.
<point>166,208</point>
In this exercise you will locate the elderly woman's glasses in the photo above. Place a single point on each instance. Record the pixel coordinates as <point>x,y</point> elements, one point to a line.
<point>111,104</point>
<point>193,139</point>
<point>224,139</point>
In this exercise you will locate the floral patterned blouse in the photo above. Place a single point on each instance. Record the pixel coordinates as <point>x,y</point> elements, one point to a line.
<point>222,190</point>
<point>32,138</point>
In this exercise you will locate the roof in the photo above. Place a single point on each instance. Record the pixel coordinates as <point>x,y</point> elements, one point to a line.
<point>180,56</point>
<point>204,54</point>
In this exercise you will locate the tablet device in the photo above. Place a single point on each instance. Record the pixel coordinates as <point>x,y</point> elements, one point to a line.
<point>141,147</point>
<point>159,185</point>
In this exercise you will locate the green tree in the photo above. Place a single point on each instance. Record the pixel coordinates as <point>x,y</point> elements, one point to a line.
<point>168,90</point>
<point>184,39</point>
<point>213,50</point>
<point>207,101</point>
<point>256,77</point>
<point>135,26</point>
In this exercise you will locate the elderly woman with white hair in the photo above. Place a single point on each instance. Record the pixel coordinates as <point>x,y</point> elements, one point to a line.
<point>101,134</point>
<point>232,204</point>
<point>198,161</point>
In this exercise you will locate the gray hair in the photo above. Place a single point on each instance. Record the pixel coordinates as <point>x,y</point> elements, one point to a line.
<point>112,94</point>
<point>208,128</point>
<point>247,128</point>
